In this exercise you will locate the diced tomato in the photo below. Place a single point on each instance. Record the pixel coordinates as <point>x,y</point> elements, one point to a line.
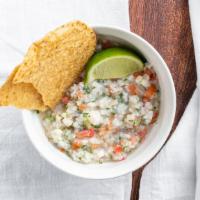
<point>65,100</point>
<point>76,145</point>
<point>139,73</point>
<point>150,92</point>
<point>151,73</point>
<point>82,107</point>
<point>103,130</point>
<point>155,116</point>
<point>91,132</point>
<point>62,149</point>
<point>133,139</point>
<point>132,89</point>
<point>79,94</point>
<point>145,99</point>
<point>106,44</point>
<point>95,146</point>
<point>85,133</point>
<point>142,133</point>
<point>117,149</point>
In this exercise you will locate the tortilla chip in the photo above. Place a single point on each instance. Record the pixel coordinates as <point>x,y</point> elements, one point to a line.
<point>53,63</point>
<point>50,66</point>
<point>20,95</point>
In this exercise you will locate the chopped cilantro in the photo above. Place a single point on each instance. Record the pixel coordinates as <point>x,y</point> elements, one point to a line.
<point>137,122</point>
<point>125,149</point>
<point>120,98</point>
<point>87,148</point>
<point>137,109</point>
<point>87,89</point>
<point>100,161</point>
<point>86,121</point>
<point>85,114</point>
<point>50,118</point>
<point>80,158</point>
<point>36,111</point>
<point>113,112</point>
<point>96,126</point>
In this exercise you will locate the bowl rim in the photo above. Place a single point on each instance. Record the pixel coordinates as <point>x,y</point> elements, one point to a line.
<point>153,152</point>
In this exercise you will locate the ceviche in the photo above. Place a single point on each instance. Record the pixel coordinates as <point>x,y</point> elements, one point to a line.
<point>104,120</point>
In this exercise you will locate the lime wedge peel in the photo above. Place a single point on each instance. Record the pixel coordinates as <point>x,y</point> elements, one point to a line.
<point>112,63</point>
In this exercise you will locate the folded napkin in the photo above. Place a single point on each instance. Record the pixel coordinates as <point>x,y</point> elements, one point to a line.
<point>175,173</point>
<point>24,175</point>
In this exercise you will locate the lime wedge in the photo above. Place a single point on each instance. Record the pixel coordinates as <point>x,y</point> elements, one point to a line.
<point>112,63</point>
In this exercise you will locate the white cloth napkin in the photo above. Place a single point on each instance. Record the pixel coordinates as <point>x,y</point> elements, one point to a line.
<point>175,173</point>
<point>171,175</point>
<point>195,16</point>
<point>24,175</point>
<point>22,22</point>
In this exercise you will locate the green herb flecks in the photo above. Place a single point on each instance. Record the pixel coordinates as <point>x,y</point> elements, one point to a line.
<point>126,149</point>
<point>120,98</point>
<point>36,111</point>
<point>87,89</point>
<point>86,121</point>
<point>87,148</point>
<point>113,111</point>
<point>50,118</point>
<point>96,126</point>
<point>100,161</point>
<point>137,122</point>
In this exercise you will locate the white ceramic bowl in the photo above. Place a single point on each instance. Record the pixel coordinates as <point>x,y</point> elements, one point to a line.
<point>153,142</point>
